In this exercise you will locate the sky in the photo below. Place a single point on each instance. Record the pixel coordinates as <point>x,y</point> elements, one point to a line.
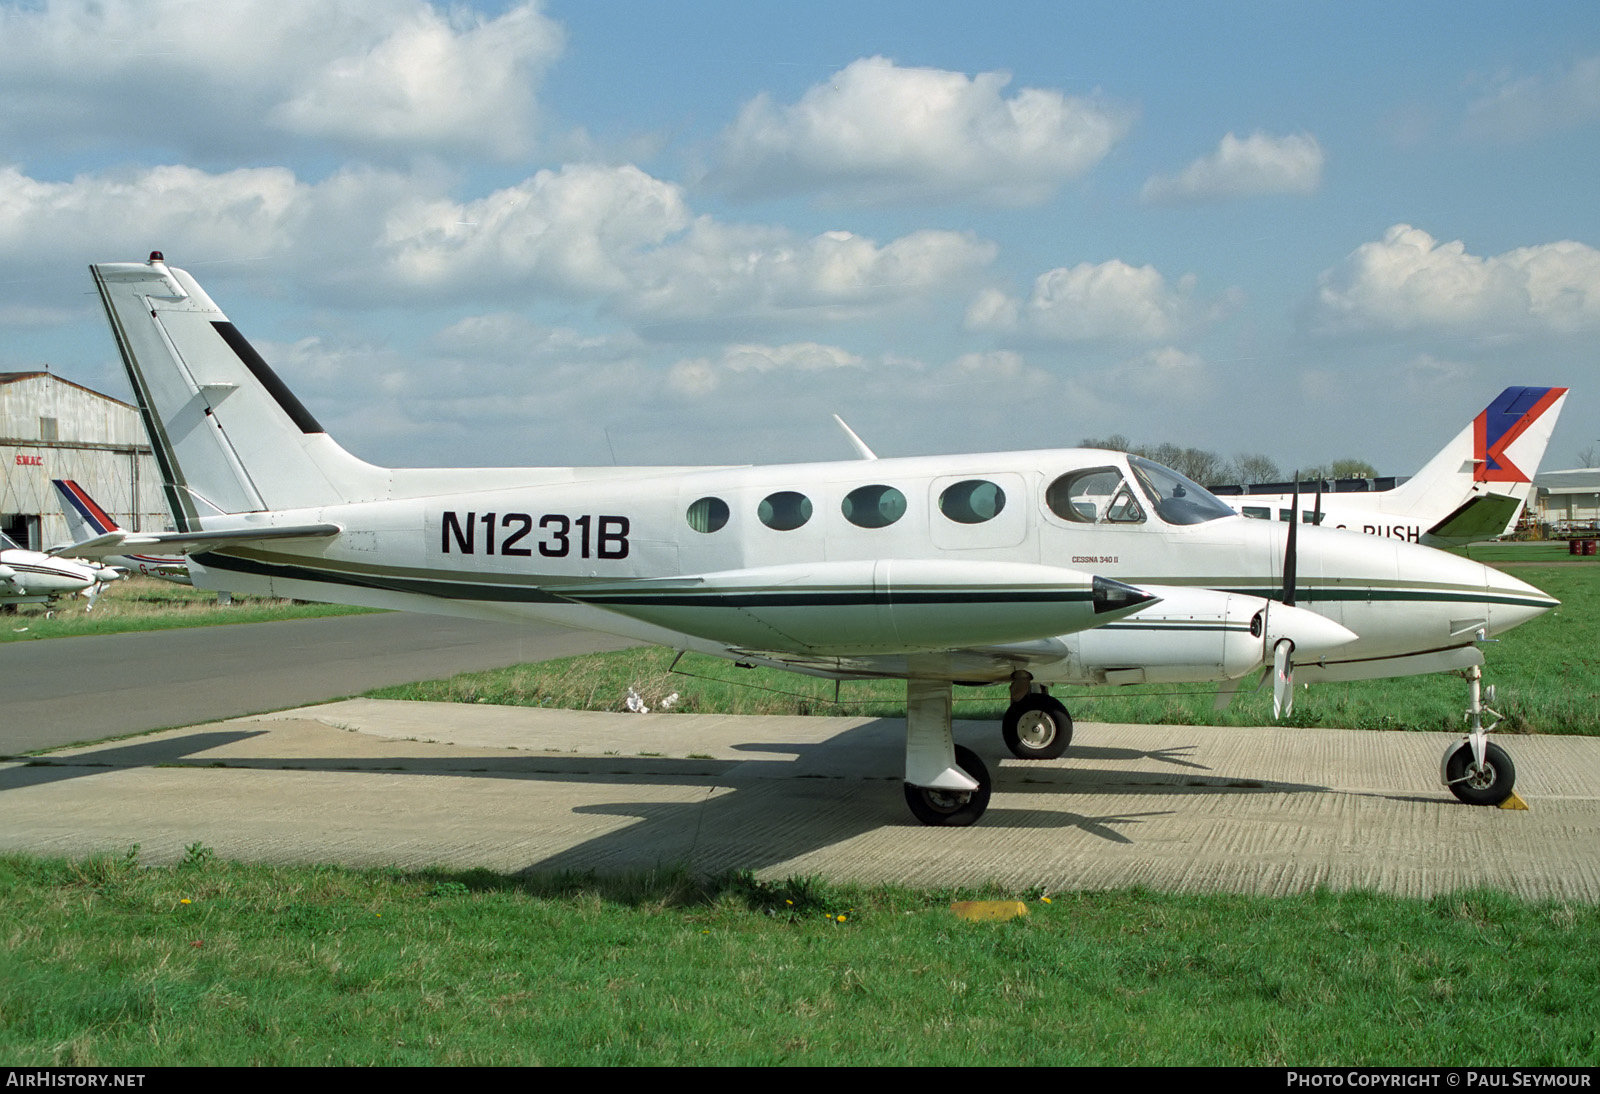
<point>564,233</point>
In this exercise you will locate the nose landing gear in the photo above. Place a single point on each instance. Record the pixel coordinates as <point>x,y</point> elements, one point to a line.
<point>1475,771</point>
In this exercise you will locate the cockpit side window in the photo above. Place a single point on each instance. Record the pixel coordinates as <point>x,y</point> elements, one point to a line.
<point>1093,495</point>
<point>1177,500</point>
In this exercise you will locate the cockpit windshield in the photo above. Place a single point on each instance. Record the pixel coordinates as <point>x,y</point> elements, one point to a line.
<point>7,544</point>
<point>1176,499</point>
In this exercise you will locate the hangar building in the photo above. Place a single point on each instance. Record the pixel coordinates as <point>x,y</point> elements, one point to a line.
<point>52,428</point>
<point>1569,501</point>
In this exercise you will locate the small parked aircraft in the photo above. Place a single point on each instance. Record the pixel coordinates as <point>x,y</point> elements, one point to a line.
<point>937,570</point>
<point>1474,488</point>
<point>33,577</point>
<point>86,520</point>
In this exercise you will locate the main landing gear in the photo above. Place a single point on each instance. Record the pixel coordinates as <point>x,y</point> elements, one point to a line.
<point>1036,725</point>
<point>1477,772</point>
<point>949,786</point>
<point>946,785</point>
<point>953,808</point>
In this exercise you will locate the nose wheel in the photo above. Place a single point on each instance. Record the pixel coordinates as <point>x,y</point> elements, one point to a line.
<point>1477,772</point>
<point>1485,782</point>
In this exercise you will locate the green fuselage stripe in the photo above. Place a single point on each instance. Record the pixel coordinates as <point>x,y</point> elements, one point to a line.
<point>515,589</point>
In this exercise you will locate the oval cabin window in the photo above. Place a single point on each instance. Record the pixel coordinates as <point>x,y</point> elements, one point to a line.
<point>873,506</point>
<point>972,501</point>
<point>784,511</point>
<point>707,515</point>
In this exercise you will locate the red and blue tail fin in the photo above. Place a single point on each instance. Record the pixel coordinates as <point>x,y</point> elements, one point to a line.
<point>84,516</point>
<point>1515,411</point>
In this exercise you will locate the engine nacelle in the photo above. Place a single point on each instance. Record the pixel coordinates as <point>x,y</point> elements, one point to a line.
<point>1195,635</point>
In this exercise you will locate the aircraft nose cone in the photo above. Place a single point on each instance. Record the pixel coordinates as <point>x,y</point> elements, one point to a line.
<point>1513,602</point>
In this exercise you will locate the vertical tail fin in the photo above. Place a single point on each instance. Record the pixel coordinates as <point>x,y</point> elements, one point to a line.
<point>1476,486</point>
<point>228,435</point>
<point>85,518</point>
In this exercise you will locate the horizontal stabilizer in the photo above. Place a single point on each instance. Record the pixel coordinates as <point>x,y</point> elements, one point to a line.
<point>122,543</point>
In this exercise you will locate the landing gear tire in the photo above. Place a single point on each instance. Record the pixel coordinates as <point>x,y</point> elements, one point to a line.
<point>952,808</point>
<point>1487,785</point>
<point>1037,727</point>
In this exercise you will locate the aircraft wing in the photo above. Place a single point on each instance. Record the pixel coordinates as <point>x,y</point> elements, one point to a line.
<point>123,543</point>
<point>870,608</point>
<point>974,665</point>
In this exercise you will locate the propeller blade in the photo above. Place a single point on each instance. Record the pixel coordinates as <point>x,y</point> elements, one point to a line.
<point>1282,679</point>
<point>1316,512</point>
<point>1266,678</point>
<point>1291,546</point>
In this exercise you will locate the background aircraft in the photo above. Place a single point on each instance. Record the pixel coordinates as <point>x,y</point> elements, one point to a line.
<point>33,577</point>
<point>1475,488</point>
<point>935,569</point>
<point>87,520</point>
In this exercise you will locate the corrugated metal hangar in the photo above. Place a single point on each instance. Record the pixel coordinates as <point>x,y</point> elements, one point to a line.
<point>52,428</point>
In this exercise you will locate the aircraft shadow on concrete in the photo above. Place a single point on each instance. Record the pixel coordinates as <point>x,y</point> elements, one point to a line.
<point>754,814</point>
<point>163,752</point>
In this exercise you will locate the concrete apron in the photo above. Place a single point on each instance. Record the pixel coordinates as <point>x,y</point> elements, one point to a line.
<point>374,782</point>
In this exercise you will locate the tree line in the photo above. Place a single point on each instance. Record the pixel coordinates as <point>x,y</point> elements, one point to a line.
<point>1212,469</point>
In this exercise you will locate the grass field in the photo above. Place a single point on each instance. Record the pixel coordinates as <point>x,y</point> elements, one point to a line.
<point>149,604</point>
<point>106,963</point>
<point>1546,673</point>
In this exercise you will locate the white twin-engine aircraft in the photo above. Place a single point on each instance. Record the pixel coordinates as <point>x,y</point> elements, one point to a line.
<point>34,577</point>
<point>1073,566</point>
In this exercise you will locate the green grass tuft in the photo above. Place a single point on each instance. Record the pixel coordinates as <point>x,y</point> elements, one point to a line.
<point>110,964</point>
<point>148,604</point>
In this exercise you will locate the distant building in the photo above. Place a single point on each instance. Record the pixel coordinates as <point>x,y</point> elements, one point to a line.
<point>52,428</point>
<point>1568,500</point>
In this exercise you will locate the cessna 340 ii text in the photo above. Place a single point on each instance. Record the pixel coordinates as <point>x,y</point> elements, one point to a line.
<point>1073,566</point>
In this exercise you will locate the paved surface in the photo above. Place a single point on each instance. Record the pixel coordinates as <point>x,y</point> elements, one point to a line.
<point>364,782</point>
<point>86,689</point>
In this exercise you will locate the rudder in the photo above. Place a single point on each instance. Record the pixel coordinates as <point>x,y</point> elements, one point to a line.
<point>228,435</point>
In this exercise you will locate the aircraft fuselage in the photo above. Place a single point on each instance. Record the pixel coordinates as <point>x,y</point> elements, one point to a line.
<point>557,550</point>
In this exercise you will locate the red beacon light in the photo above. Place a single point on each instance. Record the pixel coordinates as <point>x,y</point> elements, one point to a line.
<point>157,256</point>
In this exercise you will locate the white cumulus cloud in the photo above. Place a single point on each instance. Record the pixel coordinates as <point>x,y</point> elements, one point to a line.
<point>755,271</point>
<point>1257,164</point>
<point>1165,373</point>
<point>125,214</point>
<point>1110,301</point>
<point>1521,108</point>
<point>1410,281</point>
<point>577,230</point>
<point>876,131</point>
<point>613,236</point>
<point>700,375</point>
<point>196,78</point>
